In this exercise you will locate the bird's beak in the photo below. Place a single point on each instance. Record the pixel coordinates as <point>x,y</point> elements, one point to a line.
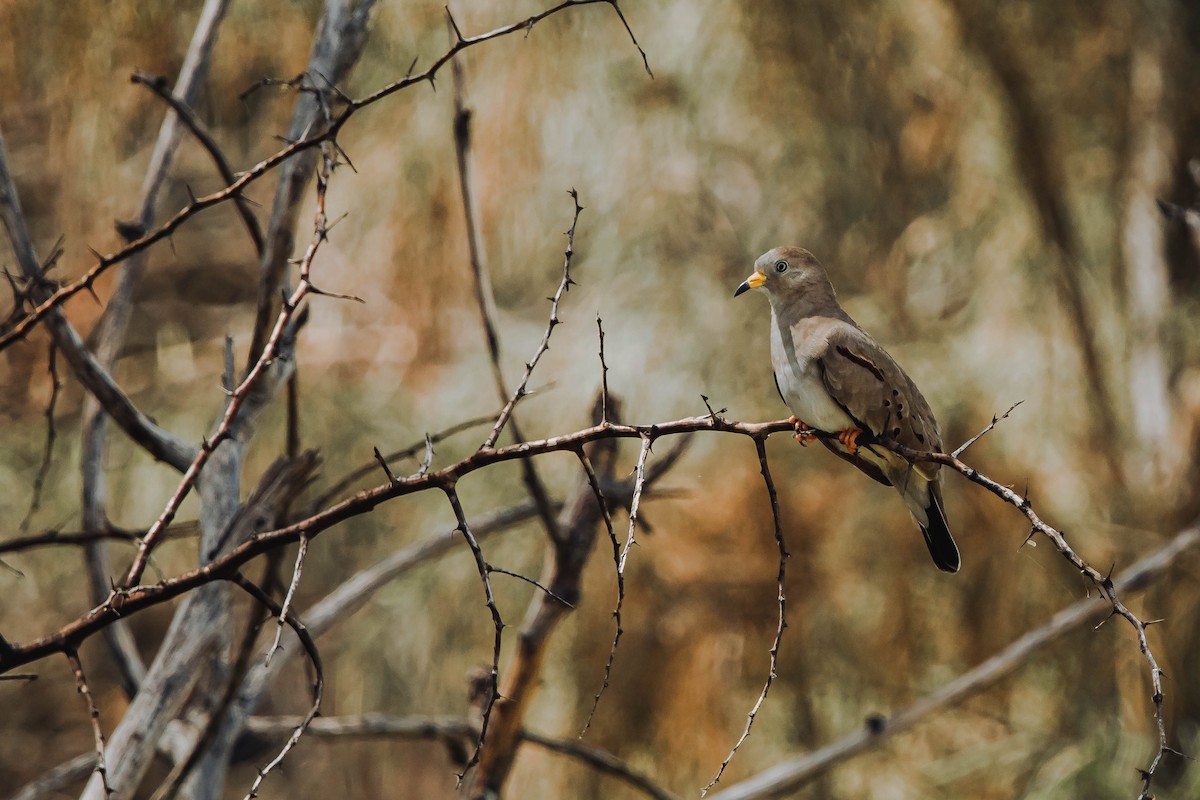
<point>753,282</point>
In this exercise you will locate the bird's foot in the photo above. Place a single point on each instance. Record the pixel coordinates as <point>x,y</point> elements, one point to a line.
<point>803,434</point>
<point>849,438</point>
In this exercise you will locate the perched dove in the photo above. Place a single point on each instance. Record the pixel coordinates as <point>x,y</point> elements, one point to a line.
<point>835,378</point>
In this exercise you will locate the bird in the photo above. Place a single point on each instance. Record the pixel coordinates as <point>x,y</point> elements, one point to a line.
<point>836,379</point>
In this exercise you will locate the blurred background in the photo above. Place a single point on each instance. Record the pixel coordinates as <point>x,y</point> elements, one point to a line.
<point>981,184</point>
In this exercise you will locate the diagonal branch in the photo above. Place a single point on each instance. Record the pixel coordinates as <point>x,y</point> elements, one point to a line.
<point>785,778</point>
<point>308,141</point>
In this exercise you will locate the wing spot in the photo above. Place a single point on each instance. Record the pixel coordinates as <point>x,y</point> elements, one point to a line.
<point>895,392</point>
<point>921,438</point>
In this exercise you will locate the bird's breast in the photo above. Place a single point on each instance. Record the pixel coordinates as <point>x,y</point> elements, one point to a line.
<point>797,369</point>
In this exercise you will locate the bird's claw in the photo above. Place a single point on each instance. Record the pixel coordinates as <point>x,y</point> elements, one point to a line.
<point>849,438</point>
<point>803,434</point>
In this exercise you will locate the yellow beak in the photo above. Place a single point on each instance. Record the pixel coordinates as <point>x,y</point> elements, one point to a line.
<point>753,282</point>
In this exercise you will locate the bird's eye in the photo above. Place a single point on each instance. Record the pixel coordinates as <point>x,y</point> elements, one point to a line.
<point>781,266</point>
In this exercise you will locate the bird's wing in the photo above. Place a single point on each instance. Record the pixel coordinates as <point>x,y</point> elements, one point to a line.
<point>872,389</point>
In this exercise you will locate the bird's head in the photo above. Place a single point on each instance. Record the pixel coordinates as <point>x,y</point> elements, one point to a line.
<point>791,275</point>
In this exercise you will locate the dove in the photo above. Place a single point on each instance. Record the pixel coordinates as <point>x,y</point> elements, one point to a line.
<point>836,379</point>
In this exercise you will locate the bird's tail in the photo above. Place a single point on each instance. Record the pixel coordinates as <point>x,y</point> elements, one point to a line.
<point>937,533</point>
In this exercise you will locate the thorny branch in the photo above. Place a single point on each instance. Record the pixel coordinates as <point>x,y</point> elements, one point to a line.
<point>788,776</point>
<point>329,133</point>
<point>318,688</point>
<point>564,286</point>
<point>760,446</point>
<point>240,395</point>
<point>226,566</point>
<point>1101,581</point>
<point>493,689</point>
<point>81,685</point>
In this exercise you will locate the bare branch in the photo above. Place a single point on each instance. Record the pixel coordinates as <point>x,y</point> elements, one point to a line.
<point>318,687</point>
<point>183,110</point>
<point>594,483</point>
<point>639,482</point>
<point>282,616</point>
<point>481,565</point>
<point>310,140</point>
<point>454,732</point>
<point>788,776</point>
<point>157,442</point>
<point>81,685</point>
<point>760,445</point>
<point>563,286</point>
<point>963,447</point>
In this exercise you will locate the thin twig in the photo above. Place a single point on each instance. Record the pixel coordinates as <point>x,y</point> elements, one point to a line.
<point>287,600</point>
<point>532,582</point>
<point>318,688</point>
<point>342,484</point>
<point>594,482</point>
<point>76,538</point>
<point>963,447</point>
<point>760,446</point>
<point>481,565</point>
<point>563,286</point>
<point>638,482</point>
<point>788,776</point>
<point>603,374</point>
<point>157,85</point>
<point>81,685</point>
<point>312,139</point>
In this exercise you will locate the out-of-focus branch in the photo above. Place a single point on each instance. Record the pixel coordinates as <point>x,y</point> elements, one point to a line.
<point>76,538</point>
<point>57,780</point>
<point>39,481</point>
<point>307,140</point>
<point>785,778</point>
<point>109,337</point>
<point>456,733</point>
<point>1148,162</point>
<point>1040,168</point>
<point>87,369</point>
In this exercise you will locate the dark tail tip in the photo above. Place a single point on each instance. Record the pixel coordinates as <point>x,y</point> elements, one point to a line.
<point>938,539</point>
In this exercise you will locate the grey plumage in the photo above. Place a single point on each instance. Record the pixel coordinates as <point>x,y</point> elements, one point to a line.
<point>835,377</point>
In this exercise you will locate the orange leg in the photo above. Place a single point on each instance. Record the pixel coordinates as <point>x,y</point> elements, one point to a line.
<point>804,433</point>
<point>849,438</point>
